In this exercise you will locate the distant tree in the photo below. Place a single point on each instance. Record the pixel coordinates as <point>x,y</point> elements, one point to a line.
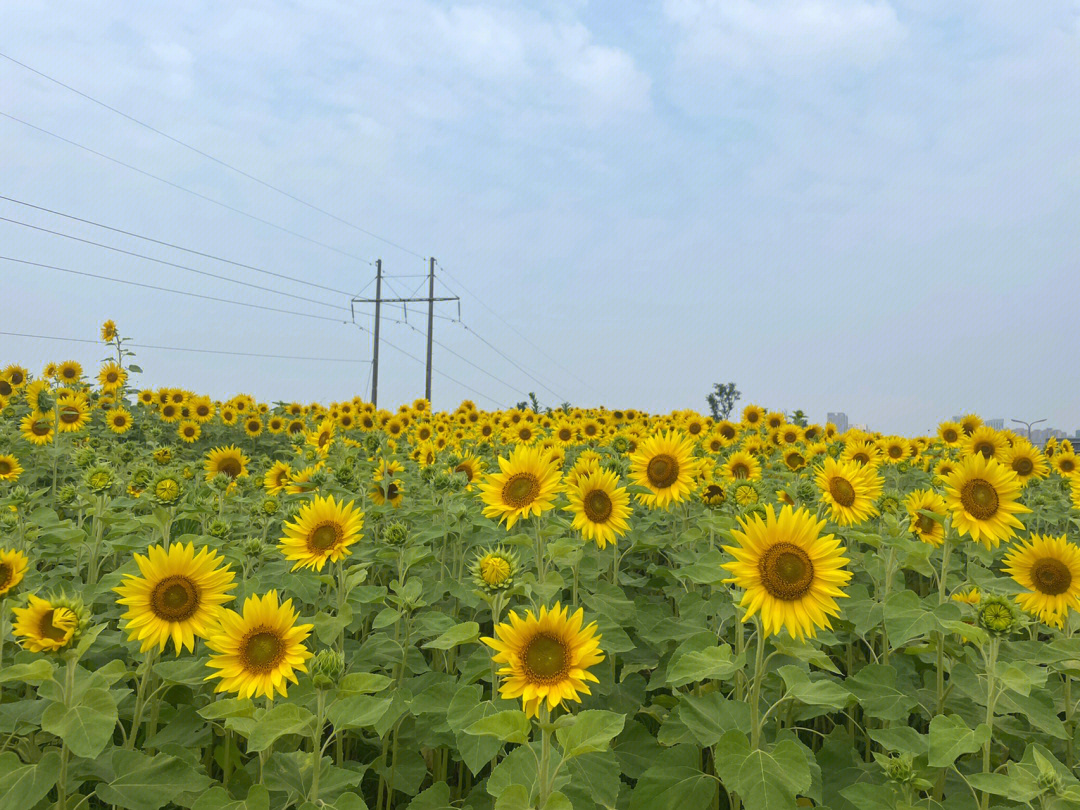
<point>565,407</point>
<point>799,418</point>
<point>535,402</point>
<point>722,400</point>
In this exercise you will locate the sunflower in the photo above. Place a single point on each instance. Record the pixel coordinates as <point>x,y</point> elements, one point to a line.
<point>189,431</point>
<point>69,372</point>
<point>1066,462</point>
<point>753,415</point>
<point>600,507</point>
<point>13,565</point>
<point>229,460</point>
<point>926,528</point>
<point>277,477</point>
<point>526,485</point>
<point>850,490</point>
<point>108,331</point>
<point>111,377</point>
<point>119,421</point>
<point>950,433</point>
<point>253,425</point>
<point>971,596</point>
<point>74,412</point>
<point>745,493</point>
<point>741,466</point>
<point>789,573</point>
<point>794,459</point>
<point>895,449</point>
<point>37,428</point>
<point>545,657</point>
<point>323,530</point>
<point>300,481</point>
<point>665,464</point>
<point>470,467</point>
<point>146,397</point>
<point>1026,461</point>
<point>10,468</point>
<point>45,626</point>
<point>391,492</point>
<point>257,652</point>
<point>987,441</point>
<point>178,596</point>
<point>1049,567</point>
<point>861,452</point>
<point>494,570</point>
<point>982,495</point>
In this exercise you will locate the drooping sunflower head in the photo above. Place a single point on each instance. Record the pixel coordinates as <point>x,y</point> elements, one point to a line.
<point>178,595</point>
<point>13,565</point>
<point>849,489</point>
<point>525,485</point>
<point>387,492</point>
<point>983,497</point>
<point>49,625</point>
<point>546,658</point>
<point>926,528</point>
<point>322,531</point>
<point>108,331</point>
<point>1049,567</point>
<point>788,571</point>
<point>600,507</point>
<point>277,477</point>
<point>257,652</point>
<point>495,569</point>
<point>229,460</point>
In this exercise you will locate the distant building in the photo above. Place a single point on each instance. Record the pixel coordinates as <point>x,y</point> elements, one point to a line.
<point>996,424</point>
<point>1041,435</point>
<point>840,420</point>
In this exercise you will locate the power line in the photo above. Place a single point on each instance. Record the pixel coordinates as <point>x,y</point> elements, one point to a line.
<point>499,352</point>
<point>175,246</point>
<point>184,189</point>
<point>515,330</point>
<point>174,264</point>
<point>199,351</point>
<point>170,290</point>
<point>208,156</point>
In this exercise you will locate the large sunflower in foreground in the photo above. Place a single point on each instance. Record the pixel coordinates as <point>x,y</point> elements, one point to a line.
<point>323,530</point>
<point>983,497</point>
<point>849,489</point>
<point>665,464</point>
<point>600,507</point>
<point>1049,567</point>
<point>257,652</point>
<point>178,596</point>
<point>229,460</point>
<point>525,485</point>
<point>790,573</point>
<point>44,626</point>
<point>545,657</point>
<point>926,528</point>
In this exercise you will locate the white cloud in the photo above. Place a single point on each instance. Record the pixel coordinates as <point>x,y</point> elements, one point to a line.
<point>785,35</point>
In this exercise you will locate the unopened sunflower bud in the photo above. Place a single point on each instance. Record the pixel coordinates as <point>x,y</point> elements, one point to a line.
<point>66,495</point>
<point>344,475</point>
<point>395,533</point>
<point>495,569</point>
<point>620,444</point>
<point>270,507</point>
<point>1050,781</point>
<point>253,547</point>
<point>100,480</point>
<point>998,615</point>
<point>166,489</point>
<point>220,529</point>
<point>85,457</point>
<point>220,482</point>
<point>899,769</point>
<point>327,668</point>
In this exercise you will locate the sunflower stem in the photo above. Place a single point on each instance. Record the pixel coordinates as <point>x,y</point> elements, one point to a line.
<point>140,699</point>
<point>316,747</point>
<point>991,700</point>
<point>541,565</point>
<point>1069,708</point>
<point>545,755</point>
<point>755,689</point>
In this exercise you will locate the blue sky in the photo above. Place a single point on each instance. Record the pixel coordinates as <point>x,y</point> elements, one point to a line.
<point>861,205</point>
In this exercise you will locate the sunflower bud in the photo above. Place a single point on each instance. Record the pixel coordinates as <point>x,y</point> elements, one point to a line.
<point>85,457</point>
<point>100,480</point>
<point>66,495</point>
<point>163,455</point>
<point>344,475</point>
<point>126,454</point>
<point>220,529</point>
<point>220,482</point>
<point>187,473</point>
<point>998,615</point>
<point>888,504</point>
<point>166,489</point>
<point>327,668</point>
<point>494,570</point>
<point>270,506</point>
<point>620,444</point>
<point>253,547</point>
<point>899,769</point>
<point>395,533</point>
<point>428,474</point>
<point>444,482</point>
<point>1050,781</point>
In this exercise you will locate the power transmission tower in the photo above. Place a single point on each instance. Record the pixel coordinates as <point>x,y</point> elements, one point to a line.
<point>378,300</point>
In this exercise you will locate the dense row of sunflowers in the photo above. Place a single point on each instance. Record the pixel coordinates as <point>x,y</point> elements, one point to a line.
<point>574,609</point>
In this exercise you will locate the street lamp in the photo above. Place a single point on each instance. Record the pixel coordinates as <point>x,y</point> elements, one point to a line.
<point>1029,424</point>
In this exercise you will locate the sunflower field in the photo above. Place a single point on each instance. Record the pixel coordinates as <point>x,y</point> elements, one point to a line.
<point>251,606</point>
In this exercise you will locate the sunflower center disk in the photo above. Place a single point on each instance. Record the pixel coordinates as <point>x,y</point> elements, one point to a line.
<point>842,491</point>
<point>1051,576</point>
<point>924,524</point>
<point>69,415</point>
<point>230,466</point>
<point>786,571</point>
<point>740,470</point>
<point>1023,466</point>
<point>5,467</point>
<point>545,659</point>
<point>6,573</point>
<point>1067,466</point>
<point>985,448</point>
<point>520,490</point>
<point>46,629</point>
<point>663,471</point>
<point>326,535</point>
<point>262,651</point>
<point>175,599</point>
<point>979,498</point>
<point>950,436</point>
<point>392,491</point>
<point>597,506</point>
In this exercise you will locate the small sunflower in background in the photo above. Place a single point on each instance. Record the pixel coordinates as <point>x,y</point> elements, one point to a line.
<point>753,415</point>
<point>1026,461</point>
<point>112,377</point>
<point>257,652</point>
<point>471,467</point>
<point>189,431</point>
<point>665,465</point>
<point>849,490</point>
<point>178,596</point>
<point>600,507</point>
<point>229,460</point>
<point>10,468</point>
<point>861,451</point>
<point>13,565</point>
<point>895,449</point>
<point>253,425</point>
<point>494,570</point>
<point>987,442</point>
<point>741,466</point>
<point>69,371</point>
<point>1049,567</point>
<point>1066,463</point>
<point>525,485</point>
<point>789,572</point>
<point>322,531</point>
<point>119,421</point>
<point>73,411</point>
<point>387,492</point>
<point>983,497</point>
<point>108,331</point>
<point>277,477</point>
<point>545,658</point>
<point>926,528</point>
